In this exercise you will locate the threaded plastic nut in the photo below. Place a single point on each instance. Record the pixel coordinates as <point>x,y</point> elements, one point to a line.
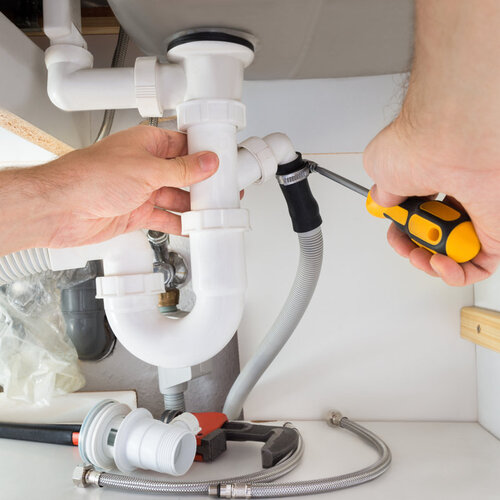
<point>174,401</point>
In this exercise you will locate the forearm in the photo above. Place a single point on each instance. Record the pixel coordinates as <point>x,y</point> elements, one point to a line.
<point>25,209</point>
<point>447,136</point>
<point>455,74</point>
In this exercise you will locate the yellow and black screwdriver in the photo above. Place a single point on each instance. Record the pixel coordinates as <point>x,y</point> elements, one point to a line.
<point>431,224</point>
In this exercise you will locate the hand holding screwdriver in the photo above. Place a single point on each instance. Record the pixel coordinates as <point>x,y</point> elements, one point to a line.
<point>430,224</point>
<point>446,138</point>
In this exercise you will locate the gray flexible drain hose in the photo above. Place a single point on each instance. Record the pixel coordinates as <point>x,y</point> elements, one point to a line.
<point>259,485</point>
<point>24,263</point>
<point>311,257</point>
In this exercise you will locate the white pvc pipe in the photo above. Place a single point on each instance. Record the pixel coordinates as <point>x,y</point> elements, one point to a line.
<point>222,189</point>
<point>282,147</point>
<point>249,170</point>
<point>214,72</point>
<point>90,89</point>
<point>110,88</point>
<point>258,159</point>
<point>73,85</point>
<point>219,282</point>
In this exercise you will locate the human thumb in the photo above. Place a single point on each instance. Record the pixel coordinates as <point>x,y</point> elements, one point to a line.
<point>187,170</point>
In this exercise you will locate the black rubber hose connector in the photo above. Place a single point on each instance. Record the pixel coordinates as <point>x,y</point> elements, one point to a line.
<point>303,208</point>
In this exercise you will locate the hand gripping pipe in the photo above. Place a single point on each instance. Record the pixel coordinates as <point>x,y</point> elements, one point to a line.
<point>215,225</point>
<point>130,289</point>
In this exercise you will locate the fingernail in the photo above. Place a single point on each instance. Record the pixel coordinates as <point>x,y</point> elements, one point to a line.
<point>435,268</point>
<point>208,161</point>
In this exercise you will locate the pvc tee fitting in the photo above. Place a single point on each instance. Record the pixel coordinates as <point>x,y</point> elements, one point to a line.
<point>114,435</point>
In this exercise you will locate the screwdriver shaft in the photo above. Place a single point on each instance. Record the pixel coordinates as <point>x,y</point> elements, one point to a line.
<point>342,180</point>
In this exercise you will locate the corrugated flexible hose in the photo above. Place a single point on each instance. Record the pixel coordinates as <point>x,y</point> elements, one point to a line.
<point>24,263</point>
<point>306,278</point>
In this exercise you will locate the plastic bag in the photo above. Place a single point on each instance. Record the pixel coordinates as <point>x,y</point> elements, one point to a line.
<point>37,360</point>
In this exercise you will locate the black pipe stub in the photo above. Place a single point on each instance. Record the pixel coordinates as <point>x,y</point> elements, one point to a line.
<point>213,35</point>
<point>302,207</point>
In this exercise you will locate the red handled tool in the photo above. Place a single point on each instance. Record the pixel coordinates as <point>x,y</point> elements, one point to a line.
<point>217,430</point>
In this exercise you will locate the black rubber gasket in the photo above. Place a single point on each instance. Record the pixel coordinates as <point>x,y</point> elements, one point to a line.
<point>210,36</point>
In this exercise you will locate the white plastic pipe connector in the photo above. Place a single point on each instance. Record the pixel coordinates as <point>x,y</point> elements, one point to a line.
<point>62,22</point>
<point>281,146</point>
<point>114,435</point>
<point>145,443</point>
<point>73,85</point>
<point>258,159</point>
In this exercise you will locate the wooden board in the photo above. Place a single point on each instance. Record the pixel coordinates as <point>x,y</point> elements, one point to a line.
<point>481,326</point>
<point>29,132</point>
<point>95,21</point>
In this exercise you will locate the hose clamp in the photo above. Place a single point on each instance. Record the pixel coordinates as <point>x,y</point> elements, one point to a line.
<point>299,175</point>
<point>294,177</point>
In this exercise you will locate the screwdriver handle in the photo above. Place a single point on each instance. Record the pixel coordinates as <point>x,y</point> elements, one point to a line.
<point>432,225</point>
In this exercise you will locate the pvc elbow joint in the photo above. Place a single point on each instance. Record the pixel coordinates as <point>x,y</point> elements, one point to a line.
<point>62,61</point>
<point>72,84</point>
<point>258,158</point>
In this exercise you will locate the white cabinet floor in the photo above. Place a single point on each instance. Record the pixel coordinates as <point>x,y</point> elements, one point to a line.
<point>456,461</point>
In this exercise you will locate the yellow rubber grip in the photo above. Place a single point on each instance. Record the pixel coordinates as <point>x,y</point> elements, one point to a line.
<point>433,225</point>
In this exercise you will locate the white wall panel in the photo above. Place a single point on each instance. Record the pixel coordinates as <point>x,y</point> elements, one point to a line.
<point>380,339</point>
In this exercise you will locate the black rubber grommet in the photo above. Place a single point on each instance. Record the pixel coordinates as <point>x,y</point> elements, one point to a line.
<point>210,36</point>
<point>293,166</point>
<point>302,207</point>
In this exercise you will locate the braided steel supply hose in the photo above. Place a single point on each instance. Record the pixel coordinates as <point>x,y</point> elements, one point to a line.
<point>259,484</point>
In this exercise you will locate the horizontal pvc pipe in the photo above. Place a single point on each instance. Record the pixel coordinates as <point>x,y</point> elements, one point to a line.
<point>90,89</point>
<point>73,85</point>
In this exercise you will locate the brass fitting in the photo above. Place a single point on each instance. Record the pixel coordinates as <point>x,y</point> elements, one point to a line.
<point>169,298</point>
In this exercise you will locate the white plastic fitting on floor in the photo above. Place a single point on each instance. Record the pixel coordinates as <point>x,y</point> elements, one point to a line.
<point>114,435</point>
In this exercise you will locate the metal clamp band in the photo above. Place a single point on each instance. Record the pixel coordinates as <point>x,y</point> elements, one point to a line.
<point>299,175</point>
